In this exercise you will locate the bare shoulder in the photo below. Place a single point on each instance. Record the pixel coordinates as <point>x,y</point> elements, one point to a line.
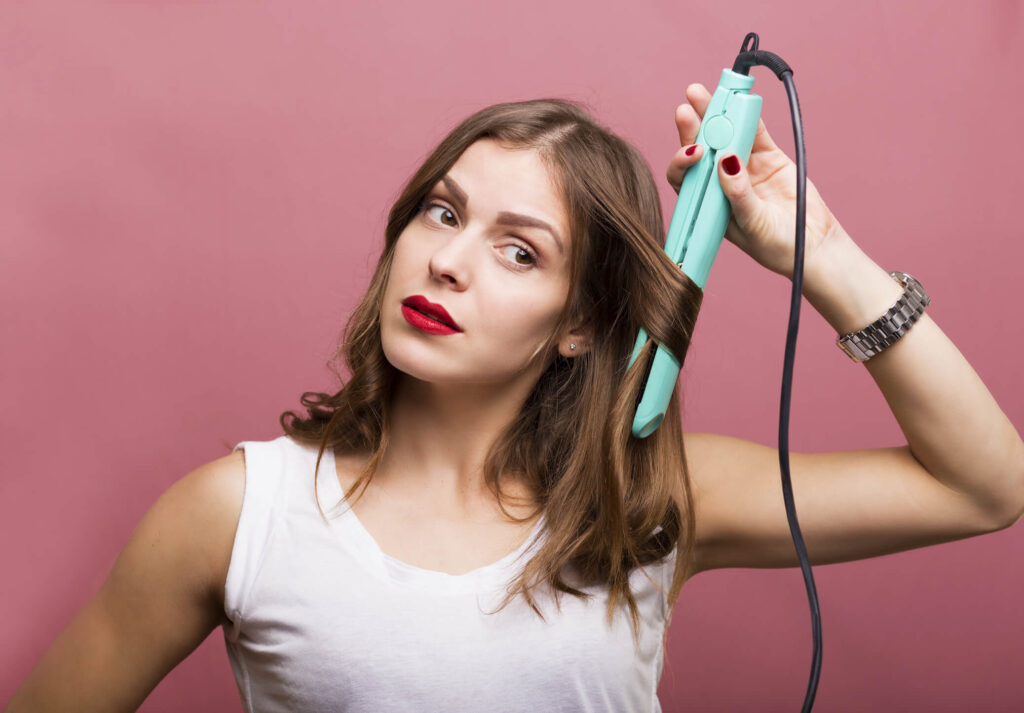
<point>200,512</point>
<point>211,495</point>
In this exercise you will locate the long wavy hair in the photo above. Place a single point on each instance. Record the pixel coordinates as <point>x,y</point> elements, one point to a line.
<point>612,502</point>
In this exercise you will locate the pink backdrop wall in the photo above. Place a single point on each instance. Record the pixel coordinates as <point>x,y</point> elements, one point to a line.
<point>192,196</point>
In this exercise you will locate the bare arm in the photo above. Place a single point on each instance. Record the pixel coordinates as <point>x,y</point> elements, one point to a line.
<point>161,600</point>
<point>953,426</point>
<point>960,475</point>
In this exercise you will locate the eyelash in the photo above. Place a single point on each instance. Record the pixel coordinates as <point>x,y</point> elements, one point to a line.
<point>428,204</point>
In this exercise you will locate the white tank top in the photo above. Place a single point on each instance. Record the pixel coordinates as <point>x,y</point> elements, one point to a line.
<point>322,620</point>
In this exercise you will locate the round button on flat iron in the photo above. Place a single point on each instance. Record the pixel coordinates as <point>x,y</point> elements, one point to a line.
<point>718,132</point>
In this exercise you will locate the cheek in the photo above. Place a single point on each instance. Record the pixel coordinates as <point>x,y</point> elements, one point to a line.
<point>518,322</point>
<point>401,256</point>
<point>404,265</point>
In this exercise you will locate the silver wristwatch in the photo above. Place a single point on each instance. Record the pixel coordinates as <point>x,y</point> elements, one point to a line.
<point>887,329</point>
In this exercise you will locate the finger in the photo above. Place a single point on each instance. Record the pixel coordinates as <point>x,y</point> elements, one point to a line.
<point>699,98</point>
<point>762,139</point>
<point>747,208</point>
<point>688,124</point>
<point>680,163</point>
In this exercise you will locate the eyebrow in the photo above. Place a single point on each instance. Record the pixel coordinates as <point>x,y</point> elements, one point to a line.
<point>517,220</point>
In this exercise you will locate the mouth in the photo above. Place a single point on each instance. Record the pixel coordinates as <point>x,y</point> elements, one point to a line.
<point>436,312</point>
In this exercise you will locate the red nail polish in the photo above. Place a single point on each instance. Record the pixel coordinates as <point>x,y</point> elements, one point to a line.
<point>731,164</point>
<point>689,151</point>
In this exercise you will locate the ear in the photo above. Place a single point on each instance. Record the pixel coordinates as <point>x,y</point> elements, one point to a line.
<point>582,336</point>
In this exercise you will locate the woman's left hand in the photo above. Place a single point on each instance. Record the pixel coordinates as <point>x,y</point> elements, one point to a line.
<point>762,195</point>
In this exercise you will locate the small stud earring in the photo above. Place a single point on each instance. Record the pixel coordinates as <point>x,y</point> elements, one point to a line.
<point>572,346</point>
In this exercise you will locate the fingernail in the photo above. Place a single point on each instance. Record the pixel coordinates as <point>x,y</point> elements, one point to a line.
<point>689,151</point>
<point>731,164</point>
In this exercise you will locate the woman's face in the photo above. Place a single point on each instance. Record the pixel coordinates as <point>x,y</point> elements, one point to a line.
<point>469,249</point>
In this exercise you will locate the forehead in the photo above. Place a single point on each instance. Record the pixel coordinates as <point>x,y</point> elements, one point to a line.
<point>498,178</point>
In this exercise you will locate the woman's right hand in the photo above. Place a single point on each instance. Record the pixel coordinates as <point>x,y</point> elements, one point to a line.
<point>762,196</point>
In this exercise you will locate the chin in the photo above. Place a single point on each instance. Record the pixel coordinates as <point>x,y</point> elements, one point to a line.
<point>416,360</point>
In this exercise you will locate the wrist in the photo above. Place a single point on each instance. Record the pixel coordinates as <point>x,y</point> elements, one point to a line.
<point>847,288</point>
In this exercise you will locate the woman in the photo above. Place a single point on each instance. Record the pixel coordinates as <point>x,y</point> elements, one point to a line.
<point>481,450</point>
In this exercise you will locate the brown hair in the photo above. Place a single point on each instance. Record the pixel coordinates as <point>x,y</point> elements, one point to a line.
<point>612,502</point>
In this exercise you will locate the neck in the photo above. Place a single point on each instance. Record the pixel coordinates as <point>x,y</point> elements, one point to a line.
<point>440,435</point>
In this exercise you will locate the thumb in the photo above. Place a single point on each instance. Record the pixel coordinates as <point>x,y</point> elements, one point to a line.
<point>746,206</point>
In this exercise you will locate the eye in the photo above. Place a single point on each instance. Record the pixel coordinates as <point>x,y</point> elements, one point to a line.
<point>444,209</point>
<point>522,252</point>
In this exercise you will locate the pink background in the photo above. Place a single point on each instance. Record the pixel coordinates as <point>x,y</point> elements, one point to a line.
<point>192,196</point>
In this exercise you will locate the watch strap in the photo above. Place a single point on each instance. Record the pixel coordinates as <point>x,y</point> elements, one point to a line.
<point>891,326</point>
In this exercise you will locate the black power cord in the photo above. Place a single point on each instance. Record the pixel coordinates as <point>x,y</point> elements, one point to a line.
<point>748,57</point>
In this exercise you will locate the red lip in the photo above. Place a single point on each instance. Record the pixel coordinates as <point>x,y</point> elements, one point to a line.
<point>436,311</point>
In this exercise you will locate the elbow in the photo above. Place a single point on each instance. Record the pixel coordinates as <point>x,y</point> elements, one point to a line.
<point>1013,513</point>
<point>1001,514</point>
<point>1009,522</point>
<point>1018,514</point>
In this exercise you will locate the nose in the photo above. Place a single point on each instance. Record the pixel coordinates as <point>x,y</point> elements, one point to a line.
<point>451,260</point>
